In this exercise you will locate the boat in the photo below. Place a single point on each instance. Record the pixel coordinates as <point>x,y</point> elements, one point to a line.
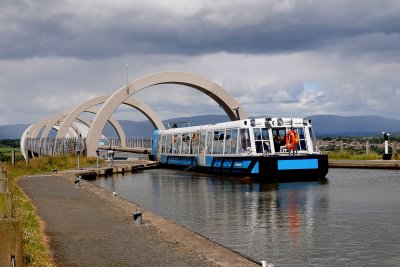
<point>270,149</point>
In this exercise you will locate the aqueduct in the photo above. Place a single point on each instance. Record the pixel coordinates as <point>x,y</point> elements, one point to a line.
<point>65,119</point>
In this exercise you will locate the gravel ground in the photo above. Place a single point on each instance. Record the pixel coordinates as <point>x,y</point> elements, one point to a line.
<point>87,226</point>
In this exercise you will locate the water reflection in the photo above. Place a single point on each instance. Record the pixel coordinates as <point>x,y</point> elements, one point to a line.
<point>289,224</point>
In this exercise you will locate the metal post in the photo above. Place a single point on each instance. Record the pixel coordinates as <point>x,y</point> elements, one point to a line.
<point>386,156</point>
<point>97,158</point>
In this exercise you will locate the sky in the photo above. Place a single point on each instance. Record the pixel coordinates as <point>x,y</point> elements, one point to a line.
<point>275,57</point>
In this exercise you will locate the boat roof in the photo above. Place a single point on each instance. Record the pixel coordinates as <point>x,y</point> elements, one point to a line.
<point>247,123</point>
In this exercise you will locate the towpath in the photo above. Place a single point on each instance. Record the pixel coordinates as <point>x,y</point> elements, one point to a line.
<point>87,226</point>
<point>365,164</point>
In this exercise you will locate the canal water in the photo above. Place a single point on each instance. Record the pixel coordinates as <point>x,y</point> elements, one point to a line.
<point>351,219</point>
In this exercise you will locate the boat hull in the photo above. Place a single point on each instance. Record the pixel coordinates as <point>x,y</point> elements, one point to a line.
<point>268,168</point>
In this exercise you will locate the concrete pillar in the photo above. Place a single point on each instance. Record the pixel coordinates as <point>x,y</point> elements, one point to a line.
<point>5,205</point>
<point>10,230</point>
<point>10,243</point>
<point>341,145</point>
<point>5,200</point>
<point>367,147</point>
<point>3,184</point>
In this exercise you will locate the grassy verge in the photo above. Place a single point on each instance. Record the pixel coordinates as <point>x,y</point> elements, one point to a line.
<point>353,156</point>
<point>6,154</point>
<point>35,253</point>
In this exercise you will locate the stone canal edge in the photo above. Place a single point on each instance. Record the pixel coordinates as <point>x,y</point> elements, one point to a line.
<point>88,226</point>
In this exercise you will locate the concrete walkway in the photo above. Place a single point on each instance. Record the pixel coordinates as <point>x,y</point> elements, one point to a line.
<point>87,226</point>
<point>365,164</point>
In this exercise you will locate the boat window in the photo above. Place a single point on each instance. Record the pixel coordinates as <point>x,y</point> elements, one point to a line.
<point>231,141</point>
<point>176,144</point>
<point>313,140</point>
<point>185,143</point>
<point>302,139</point>
<point>202,142</point>
<point>244,140</point>
<point>168,144</point>
<point>194,143</point>
<point>210,141</point>
<point>279,138</point>
<point>261,139</point>
<point>162,143</point>
<point>218,142</point>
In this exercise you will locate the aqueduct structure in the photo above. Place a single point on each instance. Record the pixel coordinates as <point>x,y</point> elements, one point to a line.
<point>76,133</point>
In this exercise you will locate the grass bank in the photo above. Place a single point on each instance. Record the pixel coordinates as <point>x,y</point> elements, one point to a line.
<point>35,252</point>
<point>354,156</point>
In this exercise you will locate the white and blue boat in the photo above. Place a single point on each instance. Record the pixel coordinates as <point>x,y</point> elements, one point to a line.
<point>272,149</point>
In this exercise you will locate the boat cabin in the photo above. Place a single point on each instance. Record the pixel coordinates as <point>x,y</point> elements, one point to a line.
<point>265,136</point>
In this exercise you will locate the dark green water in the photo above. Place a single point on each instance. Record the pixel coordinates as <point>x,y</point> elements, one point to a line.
<point>352,219</point>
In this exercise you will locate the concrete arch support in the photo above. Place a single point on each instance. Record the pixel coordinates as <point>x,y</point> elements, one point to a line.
<point>87,106</point>
<point>55,120</point>
<point>210,88</point>
<point>67,120</point>
<point>75,112</point>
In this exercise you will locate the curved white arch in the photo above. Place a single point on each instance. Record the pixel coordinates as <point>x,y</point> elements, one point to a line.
<point>60,117</point>
<point>143,108</point>
<point>23,143</point>
<point>210,88</point>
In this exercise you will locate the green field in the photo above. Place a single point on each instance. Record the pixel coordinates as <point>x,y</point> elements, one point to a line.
<point>6,148</point>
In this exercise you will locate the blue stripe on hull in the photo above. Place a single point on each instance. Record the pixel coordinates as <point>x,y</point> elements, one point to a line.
<point>256,168</point>
<point>297,164</point>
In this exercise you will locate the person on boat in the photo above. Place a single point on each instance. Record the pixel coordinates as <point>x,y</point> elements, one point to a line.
<point>175,145</point>
<point>260,144</point>
<point>277,143</point>
<point>265,145</point>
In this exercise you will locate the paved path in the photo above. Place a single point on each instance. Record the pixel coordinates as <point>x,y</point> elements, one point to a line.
<point>87,226</point>
<point>365,164</point>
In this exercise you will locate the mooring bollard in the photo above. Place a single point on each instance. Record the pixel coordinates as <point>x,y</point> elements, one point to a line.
<point>265,264</point>
<point>137,217</point>
<point>77,181</point>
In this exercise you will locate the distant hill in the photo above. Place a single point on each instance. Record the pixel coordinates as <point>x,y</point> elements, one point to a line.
<point>324,125</point>
<point>331,125</point>
<point>13,131</point>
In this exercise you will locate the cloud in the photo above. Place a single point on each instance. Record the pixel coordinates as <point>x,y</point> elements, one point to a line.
<point>104,29</point>
<point>58,54</point>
